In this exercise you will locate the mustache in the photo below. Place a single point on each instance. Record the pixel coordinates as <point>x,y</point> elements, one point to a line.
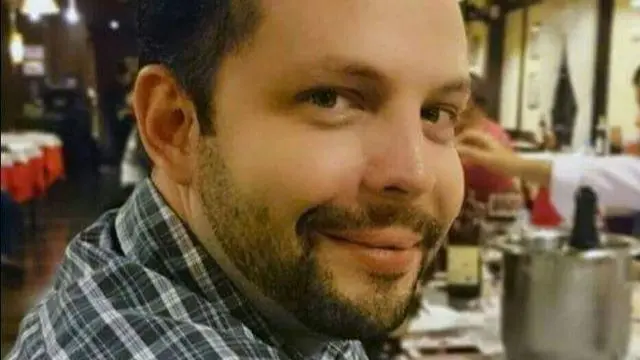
<point>336,218</point>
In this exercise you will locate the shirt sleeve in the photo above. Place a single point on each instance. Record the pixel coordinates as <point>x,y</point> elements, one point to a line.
<point>615,179</point>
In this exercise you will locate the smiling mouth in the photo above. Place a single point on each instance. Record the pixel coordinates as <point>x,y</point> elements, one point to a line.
<point>391,238</point>
<point>390,247</point>
<point>381,252</point>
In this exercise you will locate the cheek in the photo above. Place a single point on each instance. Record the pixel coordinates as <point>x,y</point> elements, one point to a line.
<point>292,167</point>
<point>450,185</point>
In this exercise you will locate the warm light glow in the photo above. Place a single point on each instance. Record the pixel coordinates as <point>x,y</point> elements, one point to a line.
<point>35,9</point>
<point>34,18</point>
<point>71,14</point>
<point>16,48</point>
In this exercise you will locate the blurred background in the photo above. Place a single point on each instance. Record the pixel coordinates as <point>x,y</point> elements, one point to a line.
<point>557,76</point>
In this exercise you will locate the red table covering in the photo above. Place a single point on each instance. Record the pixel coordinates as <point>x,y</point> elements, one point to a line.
<point>34,163</point>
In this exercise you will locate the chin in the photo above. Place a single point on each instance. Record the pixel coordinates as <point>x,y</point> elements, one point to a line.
<point>370,308</point>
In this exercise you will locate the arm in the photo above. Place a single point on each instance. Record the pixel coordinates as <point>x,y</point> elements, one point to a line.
<point>484,150</point>
<point>615,179</point>
<point>535,171</point>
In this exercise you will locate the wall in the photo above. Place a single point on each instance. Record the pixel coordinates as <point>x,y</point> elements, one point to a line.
<point>511,71</point>
<point>68,52</point>
<point>624,57</point>
<point>478,38</point>
<point>478,41</point>
<point>78,50</point>
<point>513,91</point>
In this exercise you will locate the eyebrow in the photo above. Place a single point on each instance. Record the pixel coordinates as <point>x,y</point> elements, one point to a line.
<point>353,69</point>
<point>457,86</point>
<point>368,73</point>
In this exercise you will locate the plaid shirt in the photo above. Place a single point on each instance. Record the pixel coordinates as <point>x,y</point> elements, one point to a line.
<point>136,286</point>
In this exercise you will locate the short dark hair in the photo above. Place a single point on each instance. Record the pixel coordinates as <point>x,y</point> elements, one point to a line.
<point>636,77</point>
<point>191,37</point>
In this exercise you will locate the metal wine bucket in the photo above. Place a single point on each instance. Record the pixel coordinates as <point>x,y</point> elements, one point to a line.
<point>562,304</point>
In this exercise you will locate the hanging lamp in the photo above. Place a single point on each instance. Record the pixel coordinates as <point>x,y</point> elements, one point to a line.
<point>71,15</point>
<point>16,42</point>
<point>36,9</point>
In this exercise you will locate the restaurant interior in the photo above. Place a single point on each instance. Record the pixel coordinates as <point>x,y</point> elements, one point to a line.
<point>557,76</point>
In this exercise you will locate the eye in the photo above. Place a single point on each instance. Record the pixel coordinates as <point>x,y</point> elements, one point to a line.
<point>330,105</point>
<point>438,114</point>
<point>442,121</point>
<point>330,98</point>
<point>324,98</point>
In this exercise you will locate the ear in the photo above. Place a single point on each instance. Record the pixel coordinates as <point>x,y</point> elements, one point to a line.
<point>167,123</point>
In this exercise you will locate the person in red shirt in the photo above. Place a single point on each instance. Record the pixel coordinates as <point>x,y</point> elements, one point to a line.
<point>481,180</point>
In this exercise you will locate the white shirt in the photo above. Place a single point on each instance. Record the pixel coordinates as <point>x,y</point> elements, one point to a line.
<point>615,179</point>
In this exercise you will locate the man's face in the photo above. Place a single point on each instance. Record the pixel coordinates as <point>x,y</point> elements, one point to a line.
<point>332,176</point>
<point>467,117</point>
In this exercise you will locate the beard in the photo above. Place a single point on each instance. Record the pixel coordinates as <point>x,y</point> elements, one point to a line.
<point>281,259</point>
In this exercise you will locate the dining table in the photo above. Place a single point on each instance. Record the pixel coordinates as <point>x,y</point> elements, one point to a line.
<point>427,337</point>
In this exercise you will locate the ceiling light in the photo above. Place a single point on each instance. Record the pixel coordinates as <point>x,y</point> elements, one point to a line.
<point>71,14</point>
<point>35,9</point>
<point>16,48</point>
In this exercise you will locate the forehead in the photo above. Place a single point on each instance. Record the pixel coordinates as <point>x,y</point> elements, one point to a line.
<point>419,41</point>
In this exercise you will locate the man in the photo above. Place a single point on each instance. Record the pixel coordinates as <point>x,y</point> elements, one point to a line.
<point>304,172</point>
<point>481,180</point>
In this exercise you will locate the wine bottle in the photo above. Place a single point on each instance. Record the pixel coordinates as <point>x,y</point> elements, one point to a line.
<point>464,263</point>
<point>584,235</point>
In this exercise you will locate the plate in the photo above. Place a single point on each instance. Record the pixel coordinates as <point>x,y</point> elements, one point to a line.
<point>435,318</point>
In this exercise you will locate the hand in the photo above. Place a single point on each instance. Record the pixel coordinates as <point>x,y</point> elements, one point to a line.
<point>482,149</point>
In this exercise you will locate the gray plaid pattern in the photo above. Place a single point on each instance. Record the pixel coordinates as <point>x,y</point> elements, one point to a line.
<point>135,285</point>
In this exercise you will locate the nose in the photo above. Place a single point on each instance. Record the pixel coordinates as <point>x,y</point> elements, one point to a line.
<point>398,164</point>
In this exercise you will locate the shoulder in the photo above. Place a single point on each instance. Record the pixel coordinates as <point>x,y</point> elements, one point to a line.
<point>129,312</point>
<point>127,335</point>
<point>91,250</point>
